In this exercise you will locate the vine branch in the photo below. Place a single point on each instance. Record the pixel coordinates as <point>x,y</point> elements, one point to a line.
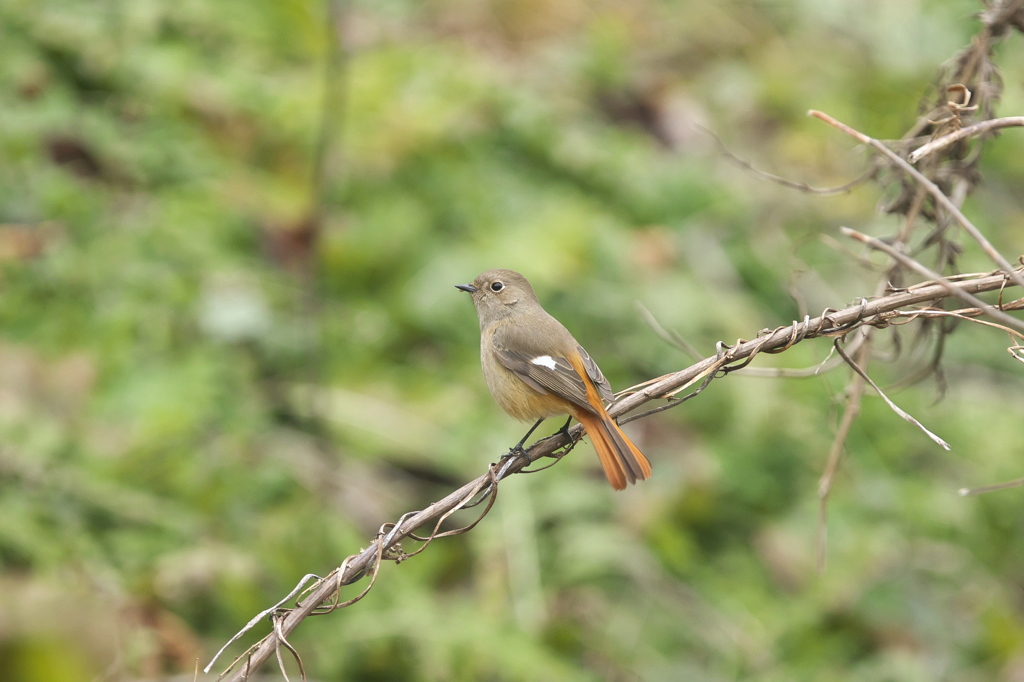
<point>322,596</point>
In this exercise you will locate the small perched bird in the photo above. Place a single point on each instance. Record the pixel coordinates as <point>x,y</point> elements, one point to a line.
<point>535,369</point>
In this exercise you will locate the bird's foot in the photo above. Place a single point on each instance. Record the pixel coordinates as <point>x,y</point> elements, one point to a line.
<point>515,451</point>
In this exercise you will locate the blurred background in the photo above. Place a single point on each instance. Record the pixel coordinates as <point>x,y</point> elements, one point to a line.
<point>230,347</point>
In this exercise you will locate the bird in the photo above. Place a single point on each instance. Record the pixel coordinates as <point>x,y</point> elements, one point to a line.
<point>536,369</point>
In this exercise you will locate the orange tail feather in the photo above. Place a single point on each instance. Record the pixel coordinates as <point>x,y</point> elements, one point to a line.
<point>622,461</point>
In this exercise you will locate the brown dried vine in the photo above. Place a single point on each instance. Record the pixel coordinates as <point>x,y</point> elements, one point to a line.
<point>322,596</point>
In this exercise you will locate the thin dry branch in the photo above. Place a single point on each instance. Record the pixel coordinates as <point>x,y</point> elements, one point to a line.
<point>785,182</point>
<point>322,596</point>
<point>895,408</point>
<point>964,133</point>
<point>933,189</point>
<point>995,313</point>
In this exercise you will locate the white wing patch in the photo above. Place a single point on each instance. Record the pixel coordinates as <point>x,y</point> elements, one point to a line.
<point>545,361</point>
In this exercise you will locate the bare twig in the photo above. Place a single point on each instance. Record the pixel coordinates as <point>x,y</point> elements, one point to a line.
<point>792,184</point>
<point>671,337</point>
<point>895,408</point>
<point>964,133</point>
<point>932,188</point>
<point>995,313</point>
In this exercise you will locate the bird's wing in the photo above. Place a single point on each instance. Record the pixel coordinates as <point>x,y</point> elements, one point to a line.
<point>554,374</point>
<point>594,372</point>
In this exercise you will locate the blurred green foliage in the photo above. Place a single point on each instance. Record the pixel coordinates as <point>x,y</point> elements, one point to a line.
<point>219,373</point>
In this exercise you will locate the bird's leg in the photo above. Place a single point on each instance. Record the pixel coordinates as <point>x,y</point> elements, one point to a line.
<point>517,450</point>
<point>564,431</point>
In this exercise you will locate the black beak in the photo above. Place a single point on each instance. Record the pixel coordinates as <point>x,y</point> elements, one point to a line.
<point>469,288</point>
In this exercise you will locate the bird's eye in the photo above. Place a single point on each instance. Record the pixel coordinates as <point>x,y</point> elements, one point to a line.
<point>497,286</point>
